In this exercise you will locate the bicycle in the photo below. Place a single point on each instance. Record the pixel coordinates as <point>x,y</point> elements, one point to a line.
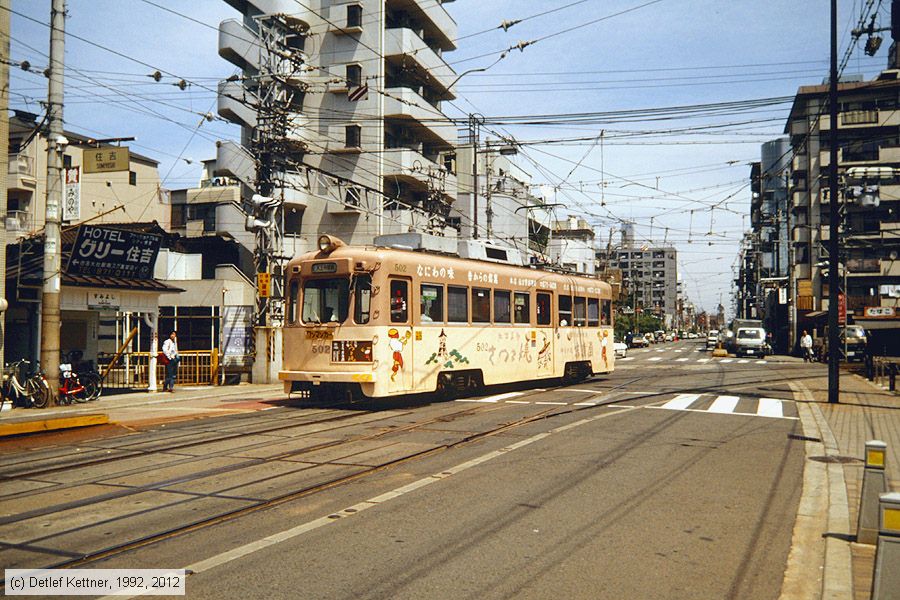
<point>90,380</point>
<point>31,392</point>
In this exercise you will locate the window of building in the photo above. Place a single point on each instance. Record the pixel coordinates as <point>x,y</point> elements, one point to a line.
<point>432,303</point>
<point>352,136</point>
<point>481,305</point>
<point>593,312</point>
<point>354,76</point>
<point>362,299</point>
<point>501,306</point>
<point>132,178</point>
<point>293,218</point>
<point>565,310</point>
<point>543,308</point>
<point>457,304</point>
<point>399,301</point>
<point>580,313</point>
<point>354,15</point>
<point>178,216</point>
<point>522,307</point>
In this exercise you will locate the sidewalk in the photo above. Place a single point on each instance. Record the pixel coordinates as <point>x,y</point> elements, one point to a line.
<point>134,409</point>
<point>865,412</point>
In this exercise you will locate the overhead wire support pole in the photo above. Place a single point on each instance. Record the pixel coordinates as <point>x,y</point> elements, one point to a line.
<point>56,145</point>
<point>834,356</point>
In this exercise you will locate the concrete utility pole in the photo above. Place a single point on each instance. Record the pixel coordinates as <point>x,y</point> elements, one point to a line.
<point>4,163</point>
<point>834,356</point>
<point>56,145</point>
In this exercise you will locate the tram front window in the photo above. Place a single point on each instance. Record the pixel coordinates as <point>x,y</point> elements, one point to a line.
<point>326,300</point>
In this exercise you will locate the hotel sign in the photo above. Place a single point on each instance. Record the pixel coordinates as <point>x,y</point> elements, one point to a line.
<point>106,160</point>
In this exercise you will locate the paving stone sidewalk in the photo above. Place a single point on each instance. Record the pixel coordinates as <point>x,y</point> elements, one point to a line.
<point>865,412</point>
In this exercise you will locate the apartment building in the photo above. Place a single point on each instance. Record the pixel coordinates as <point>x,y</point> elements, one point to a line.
<point>869,136</point>
<point>650,275</point>
<point>364,147</point>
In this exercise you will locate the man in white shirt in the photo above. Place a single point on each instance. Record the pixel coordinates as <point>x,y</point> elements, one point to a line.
<point>170,349</point>
<point>806,344</point>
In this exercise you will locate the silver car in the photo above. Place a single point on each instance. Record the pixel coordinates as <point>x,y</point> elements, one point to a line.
<point>750,341</point>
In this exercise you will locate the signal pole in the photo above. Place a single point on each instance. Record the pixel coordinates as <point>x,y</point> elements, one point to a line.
<point>834,355</point>
<point>56,144</point>
<point>4,160</point>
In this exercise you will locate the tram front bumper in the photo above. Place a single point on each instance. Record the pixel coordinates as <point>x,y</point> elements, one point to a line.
<point>320,377</point>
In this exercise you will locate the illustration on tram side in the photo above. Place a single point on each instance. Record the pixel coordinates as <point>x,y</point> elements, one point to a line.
<point>375,322</point>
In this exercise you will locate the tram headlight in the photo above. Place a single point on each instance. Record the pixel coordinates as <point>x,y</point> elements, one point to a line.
<point>328,243</point>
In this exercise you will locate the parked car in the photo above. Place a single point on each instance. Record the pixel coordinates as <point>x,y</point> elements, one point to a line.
<point>855,342</point>
<point>750,341</point>
<point>620,349</point>
<point>669,337</point>
<point>660,336</point>
<point>692,336</point>
<point>639,341</point>
<point>712,339</point>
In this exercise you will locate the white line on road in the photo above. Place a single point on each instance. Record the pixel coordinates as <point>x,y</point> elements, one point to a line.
<point>552,403</point>
<point>517,402</point>
<point>681,401</point>
<point>249,548</point>
<point>582,390</point>
<point>585,404</point>
<point>495,398</point>
<point>769,407</point>
<point>626,358</point>
<point>727,360</point>
<point>656,358</point>
<point>724,404</point>
<point>762,362</point>
<point>681,360</point>
<point>743,361</point>
<point>703,360</point>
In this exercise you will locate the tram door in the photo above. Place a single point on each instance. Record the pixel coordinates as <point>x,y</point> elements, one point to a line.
<point>400,336</point>
<point>546,334</point>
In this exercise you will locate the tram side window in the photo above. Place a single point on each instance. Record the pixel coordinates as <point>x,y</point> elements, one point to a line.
<point>501,306</point>
<point>543,309</point>
<point>293,290</point>
<point>580,311</point>
<point>522,307</point>
<point>565,311</point>
<point>362,304</point>
<point>432,303</point>
<point>593,312</point>
<point>481,305</point>
<point>606,312</point>
<point>399,301</point>
<point>457,304</point>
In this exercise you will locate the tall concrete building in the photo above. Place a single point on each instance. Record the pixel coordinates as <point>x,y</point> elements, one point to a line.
<point>650,274</point>
<point>348,96</point>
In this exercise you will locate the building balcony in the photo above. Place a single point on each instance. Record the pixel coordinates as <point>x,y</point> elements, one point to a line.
<point>235,103</point>
<point>889,154</point>
<point>271,7</point>
<point>408,166</point>
<point>800,162</point>
<point>21,173</point>
<point>863,266</point>
<point>800,235</point>
<point>239,45</point>
<point>19,221</point>
<point>406,105</point>
<point>233,160</point>
<point>406,45</point>
<point>433,18</point>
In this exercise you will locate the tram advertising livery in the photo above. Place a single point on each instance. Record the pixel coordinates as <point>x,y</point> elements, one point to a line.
<point>377,322</point>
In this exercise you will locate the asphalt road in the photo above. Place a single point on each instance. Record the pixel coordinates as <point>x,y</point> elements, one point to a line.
<point>676,477</point>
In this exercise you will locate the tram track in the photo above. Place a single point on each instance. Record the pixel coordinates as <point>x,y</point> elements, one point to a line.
<point>208,521</point>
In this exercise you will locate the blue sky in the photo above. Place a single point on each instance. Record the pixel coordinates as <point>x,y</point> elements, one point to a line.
<point>668,53</point>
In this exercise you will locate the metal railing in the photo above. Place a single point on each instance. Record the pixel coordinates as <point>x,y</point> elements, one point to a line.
<point>131,370</point>
<point>885,370</point>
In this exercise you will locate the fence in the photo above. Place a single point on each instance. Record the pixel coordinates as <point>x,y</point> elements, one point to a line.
<point>131,370</point>
<point>885,370</point>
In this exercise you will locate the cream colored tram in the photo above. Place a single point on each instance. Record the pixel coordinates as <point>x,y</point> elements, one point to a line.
<point>384,322</point>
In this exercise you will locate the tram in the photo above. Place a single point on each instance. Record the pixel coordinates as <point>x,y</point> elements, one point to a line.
<point>378,322</point>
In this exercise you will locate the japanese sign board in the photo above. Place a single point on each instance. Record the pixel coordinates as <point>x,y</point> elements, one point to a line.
<point>237,331</point>
<point>103,300</point>
<point>264,284</point>
<point>880,312</point>
<point>842,308</point>
<point>72,202</point>
<point>106,252</point>
<point>804,287</point>
<point>106,160</point>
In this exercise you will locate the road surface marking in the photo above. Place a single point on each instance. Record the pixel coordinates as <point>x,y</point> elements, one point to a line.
<point>681,360</point>
<point>769,407</point>
<point>727,360</point>
<point>585,404</point>
<point>724,404</point>
<point>582,390</point>
<point>517,402</point>
<point>762,362</point>
<point>703,360</point>
<point>495,398</point>
<point>681,401</point>
<point>552,403</point>
<point>655,358</point>
<point>271,540</point>
<point>679,350</point>
<point>626,358</point>
<point>743,361</point>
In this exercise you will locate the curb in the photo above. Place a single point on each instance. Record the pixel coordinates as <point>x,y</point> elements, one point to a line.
<point>53,424</point>
<point>816,570</point>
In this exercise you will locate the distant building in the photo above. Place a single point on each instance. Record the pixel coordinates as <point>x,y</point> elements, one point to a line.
<point>650,276</point>
<point>572,246</point>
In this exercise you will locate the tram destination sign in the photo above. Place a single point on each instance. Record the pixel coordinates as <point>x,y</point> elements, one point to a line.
<point>107,252</point>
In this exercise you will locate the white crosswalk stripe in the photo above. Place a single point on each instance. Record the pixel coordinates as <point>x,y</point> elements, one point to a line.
<point>703,360</point>
<point>681,360</point>
<point>727,405</point>
<point>656,358</point>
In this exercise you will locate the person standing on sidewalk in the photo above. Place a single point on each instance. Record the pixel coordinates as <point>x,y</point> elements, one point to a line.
<point>806,344</point>
<point>170,349</point>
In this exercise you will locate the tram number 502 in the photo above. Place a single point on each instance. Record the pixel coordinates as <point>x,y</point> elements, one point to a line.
<point>321,349</point>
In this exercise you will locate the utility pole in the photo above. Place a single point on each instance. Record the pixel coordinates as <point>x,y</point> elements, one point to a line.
<point>834,355</point>
<point>56,145</point>
<point>4,161</point>
<point>474,123</point>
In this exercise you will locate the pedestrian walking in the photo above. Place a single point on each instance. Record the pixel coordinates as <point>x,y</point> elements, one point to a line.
<point>170,349</point>
<point>806,344</point>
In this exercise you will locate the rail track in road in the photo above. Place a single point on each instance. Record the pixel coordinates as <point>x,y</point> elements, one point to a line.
<point>341,420</point>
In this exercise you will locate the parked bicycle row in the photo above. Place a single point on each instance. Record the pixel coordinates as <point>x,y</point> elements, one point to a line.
<point>25,385</point>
